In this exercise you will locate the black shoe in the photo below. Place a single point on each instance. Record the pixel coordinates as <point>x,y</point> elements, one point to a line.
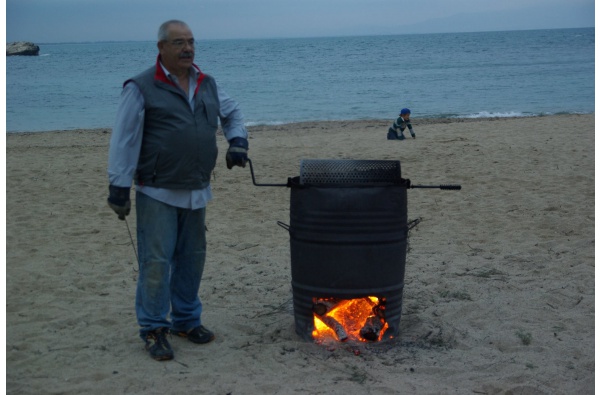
<point>198,335</point>
<point>158,346</point>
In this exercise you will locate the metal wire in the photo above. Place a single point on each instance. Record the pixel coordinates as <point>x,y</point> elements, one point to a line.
<point>132,243</point>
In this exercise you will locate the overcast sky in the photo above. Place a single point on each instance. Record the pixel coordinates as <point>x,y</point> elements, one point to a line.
<point>47,21</point>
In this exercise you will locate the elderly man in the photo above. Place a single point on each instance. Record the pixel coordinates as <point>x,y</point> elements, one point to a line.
<point>164,140</point>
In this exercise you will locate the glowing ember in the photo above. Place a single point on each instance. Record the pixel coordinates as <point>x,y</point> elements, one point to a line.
<point>361,319</point>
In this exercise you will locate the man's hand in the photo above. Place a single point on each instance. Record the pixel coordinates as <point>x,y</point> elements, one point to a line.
<point>237,154</point>
<point>118,200</point>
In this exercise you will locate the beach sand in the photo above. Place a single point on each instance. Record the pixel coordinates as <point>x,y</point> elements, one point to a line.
<point>499,284</point>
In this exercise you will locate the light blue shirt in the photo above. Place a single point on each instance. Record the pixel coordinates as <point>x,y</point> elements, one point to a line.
<point>126,142</point>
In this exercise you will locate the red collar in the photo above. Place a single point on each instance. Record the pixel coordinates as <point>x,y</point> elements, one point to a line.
<point>161,76</point>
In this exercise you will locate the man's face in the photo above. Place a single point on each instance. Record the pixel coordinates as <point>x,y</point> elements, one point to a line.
<point>177,52</point>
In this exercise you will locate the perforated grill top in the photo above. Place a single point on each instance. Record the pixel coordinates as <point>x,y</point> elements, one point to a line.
<point>349,172</point>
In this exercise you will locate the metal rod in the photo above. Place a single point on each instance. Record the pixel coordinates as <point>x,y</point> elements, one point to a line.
<point>132,243</point>
<point>262,185</point>
<point>444,187</point>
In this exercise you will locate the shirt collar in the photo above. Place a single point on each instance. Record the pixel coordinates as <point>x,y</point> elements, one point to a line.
<point>194,71</point>
<point>162,74</point>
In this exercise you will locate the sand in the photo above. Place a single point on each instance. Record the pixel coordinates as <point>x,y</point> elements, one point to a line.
<point>499,286</point>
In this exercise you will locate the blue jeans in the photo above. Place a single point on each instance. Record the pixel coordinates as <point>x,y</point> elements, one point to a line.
<point>172,250</point>
<point>393,135</point>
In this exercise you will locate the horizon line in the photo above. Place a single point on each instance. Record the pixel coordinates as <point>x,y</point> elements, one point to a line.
<point>316,36</point>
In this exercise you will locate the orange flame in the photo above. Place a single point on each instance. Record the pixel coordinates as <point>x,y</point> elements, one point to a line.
<point>352,315</point>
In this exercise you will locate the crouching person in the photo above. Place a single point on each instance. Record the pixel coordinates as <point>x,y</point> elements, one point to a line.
<point>401,124</point>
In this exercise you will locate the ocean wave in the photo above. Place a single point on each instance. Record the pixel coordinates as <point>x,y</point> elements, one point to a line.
<point>516,114</point>
<point>266,123</point>
<point>487,114</point>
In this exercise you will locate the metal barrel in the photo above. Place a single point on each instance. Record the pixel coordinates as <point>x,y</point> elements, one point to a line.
<point>347,242</point>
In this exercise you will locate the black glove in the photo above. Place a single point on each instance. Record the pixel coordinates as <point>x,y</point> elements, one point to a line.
<point>118,200</point>
<point>237,154</point>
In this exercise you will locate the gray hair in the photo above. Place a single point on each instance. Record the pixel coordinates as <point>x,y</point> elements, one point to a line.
<point>163,29</point>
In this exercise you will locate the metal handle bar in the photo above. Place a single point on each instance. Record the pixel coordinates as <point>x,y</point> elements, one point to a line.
<point>444,187</point>
<point>262,185</point>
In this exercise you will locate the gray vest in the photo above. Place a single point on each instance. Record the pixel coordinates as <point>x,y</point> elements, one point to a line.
<point>179,147</point>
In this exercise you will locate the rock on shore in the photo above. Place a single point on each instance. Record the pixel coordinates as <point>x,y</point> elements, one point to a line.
<point>22,48</point>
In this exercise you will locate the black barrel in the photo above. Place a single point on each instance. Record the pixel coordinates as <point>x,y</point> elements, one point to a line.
<point>347,241</point>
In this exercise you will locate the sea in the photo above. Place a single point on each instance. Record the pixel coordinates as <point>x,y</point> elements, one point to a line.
<point>276,81</point>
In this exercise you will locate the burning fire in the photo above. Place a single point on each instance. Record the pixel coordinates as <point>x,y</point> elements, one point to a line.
<point>361,319</point>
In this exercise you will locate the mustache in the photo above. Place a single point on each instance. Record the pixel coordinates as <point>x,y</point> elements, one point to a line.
<point>186,55</point>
